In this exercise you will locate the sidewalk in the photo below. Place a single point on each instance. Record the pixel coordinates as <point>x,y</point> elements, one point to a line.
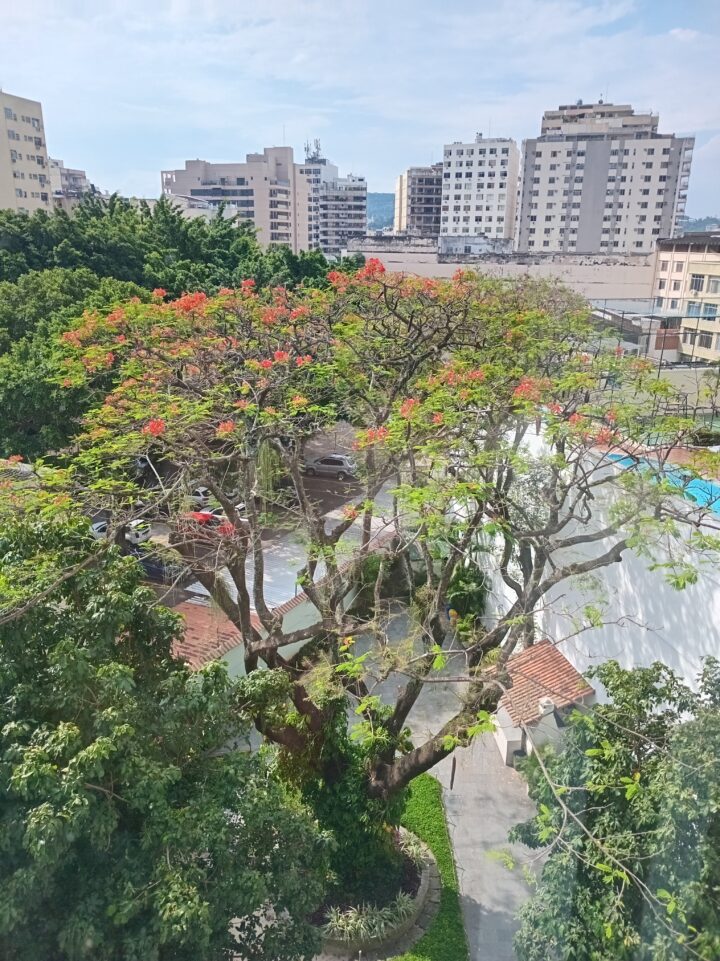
<point>487,799</point>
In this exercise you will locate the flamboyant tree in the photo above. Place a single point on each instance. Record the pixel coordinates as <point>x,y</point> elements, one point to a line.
<point>489,409</point>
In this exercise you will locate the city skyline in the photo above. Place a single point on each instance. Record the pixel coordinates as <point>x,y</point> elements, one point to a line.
<point>128,92</point>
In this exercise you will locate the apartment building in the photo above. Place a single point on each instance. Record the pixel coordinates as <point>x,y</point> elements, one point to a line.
<point>268,190</point>
<point>68,185</point>
<point>418,201</point>
<point>24,175</point>
<point>686,287</point>
<point>600,179</point>
<point>338,205</point>
<point>479,191</point>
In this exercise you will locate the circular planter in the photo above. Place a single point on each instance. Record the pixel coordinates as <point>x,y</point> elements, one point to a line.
<point>425,905</point>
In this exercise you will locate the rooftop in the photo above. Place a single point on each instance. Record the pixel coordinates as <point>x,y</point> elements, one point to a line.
<point>541,671</point>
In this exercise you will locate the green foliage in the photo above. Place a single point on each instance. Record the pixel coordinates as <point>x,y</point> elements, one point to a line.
<point>366,860</point>
<point>43,414</point>
<point>127,831</point>
<point>425,816</point>
<point>367,920</point>
<point>468,590</point>
<point>633,818</point>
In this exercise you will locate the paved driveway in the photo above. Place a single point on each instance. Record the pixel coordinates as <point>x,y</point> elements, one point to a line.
<point>486,800</point>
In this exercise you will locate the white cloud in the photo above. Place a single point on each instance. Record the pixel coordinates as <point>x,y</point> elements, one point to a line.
<point>384,83</point>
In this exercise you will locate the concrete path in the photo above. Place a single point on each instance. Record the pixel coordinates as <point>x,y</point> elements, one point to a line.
<point>487,799</point>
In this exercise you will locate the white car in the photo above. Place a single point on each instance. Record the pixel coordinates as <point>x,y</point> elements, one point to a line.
<point>136,532</point>
<point>200,497</point>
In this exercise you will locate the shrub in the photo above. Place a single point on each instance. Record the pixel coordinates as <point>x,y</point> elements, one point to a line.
<point>368,921</point>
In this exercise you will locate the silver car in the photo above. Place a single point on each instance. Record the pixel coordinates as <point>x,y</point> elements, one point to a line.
<point>339,466</point>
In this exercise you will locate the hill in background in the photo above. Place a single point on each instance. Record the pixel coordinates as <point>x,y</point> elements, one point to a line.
<point>381,209</point>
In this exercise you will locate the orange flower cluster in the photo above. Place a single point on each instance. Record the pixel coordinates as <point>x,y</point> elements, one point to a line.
<point>372,269</point>
<point>190,302</point>
<point>159,293</point>
<point>409,406</point>
<point>528,389</point>
<point>376,435</point>
<point>225,428</point>
<point>155,427</point>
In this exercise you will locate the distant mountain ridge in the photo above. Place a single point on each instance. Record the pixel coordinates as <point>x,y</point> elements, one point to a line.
<point>381,210</point>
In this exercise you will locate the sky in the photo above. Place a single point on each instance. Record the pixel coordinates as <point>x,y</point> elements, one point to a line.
<point>132,87</point>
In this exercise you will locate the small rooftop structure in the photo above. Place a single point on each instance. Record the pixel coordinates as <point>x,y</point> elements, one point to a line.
<point>538,672</point>
<point>529,714</point>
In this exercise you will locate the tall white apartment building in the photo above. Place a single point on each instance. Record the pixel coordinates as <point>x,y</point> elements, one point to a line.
<point>479,193</point>
<point>601,179</point>
<point>338,205</point>
<point>268,189</point>
<point>24,176</point>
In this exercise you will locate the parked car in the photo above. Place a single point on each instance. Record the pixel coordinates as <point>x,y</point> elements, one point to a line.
<point>136,532</point>
<point>158,569</point>
<point>200,497</point>
<point>339,466</point>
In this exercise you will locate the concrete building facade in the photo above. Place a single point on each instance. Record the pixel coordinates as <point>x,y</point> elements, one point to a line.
<point>338,205</point>
<point>24,175</point>
<point>601,179</point>
<point>268,190</point>
<point>686,288</point>
<point>68,185</point>
<point>418,201</point>
<point>479,191</point>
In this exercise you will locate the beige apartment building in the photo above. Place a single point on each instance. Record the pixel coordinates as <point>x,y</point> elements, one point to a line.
<point>418,201</point>
<point>24,174</point>
<point>686,288</point>
<point>479,191</point>
<point>600,179</point>
<point>268,190</point>
<point>68,185</point>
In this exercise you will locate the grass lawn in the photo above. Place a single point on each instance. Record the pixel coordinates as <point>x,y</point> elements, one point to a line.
<point>425,816</point>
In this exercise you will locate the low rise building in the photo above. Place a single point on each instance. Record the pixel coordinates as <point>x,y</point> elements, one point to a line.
<point>686,288</point>
<point>418,201</point>
<point>24,173</point>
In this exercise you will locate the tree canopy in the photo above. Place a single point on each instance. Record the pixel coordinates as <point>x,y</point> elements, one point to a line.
<point>128,829</point>
<point>445,384</point>
<point>630,811</point>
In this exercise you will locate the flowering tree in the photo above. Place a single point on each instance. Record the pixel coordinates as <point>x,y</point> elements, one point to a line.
<point>488,408</point>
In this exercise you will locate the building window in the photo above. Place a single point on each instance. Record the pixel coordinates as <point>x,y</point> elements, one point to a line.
<point>705,340</point>
<point>697,282</point>
<point>659,302</point>
<point>713,286</point>
<point>676,285</point>
<point>673,305</point>
<point>710,310</point>
<point>661,284</point>
<point>693,308</point>
<point>678,266</point>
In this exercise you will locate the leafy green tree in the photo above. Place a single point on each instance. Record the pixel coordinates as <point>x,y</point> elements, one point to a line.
<point>48,300</point>
<point>129,828</point>
<point>631,811</point>
<point>155,247</point>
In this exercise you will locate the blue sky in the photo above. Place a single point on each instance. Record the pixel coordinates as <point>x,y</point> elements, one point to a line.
<point>130,87</point>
